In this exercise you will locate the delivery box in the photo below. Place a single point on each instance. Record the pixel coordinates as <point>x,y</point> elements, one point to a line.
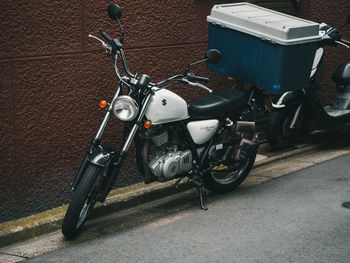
<point>263,47</point>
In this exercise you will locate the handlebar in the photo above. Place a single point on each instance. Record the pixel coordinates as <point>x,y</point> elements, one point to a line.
<point>115,46</point>
<point>106,36</point>
<point>193,78</point>
<point>332,36</point>
<point>185,80</point>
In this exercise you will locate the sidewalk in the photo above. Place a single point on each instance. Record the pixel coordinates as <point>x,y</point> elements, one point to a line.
<point>132,196</point>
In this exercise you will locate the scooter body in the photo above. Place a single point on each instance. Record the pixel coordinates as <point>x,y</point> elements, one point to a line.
<point>303,110</point>
<point>337,113</point>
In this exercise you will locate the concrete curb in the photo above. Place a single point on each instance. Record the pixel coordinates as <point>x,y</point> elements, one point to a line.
<point>119,199</point>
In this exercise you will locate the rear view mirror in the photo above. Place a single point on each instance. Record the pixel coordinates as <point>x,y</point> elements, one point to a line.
<point>213,56</point>
<point>114,12</point>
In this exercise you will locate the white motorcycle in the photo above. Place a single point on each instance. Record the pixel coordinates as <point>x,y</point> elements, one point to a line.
<point>211,139</point>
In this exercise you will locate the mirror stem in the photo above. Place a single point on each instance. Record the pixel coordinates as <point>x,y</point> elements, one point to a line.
<point>203,60</point>
<point>122,31</point>
<point>187,69</point>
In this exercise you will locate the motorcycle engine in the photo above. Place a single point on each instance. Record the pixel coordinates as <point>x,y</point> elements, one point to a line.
<point>165,160</point>
<point>169,165</point>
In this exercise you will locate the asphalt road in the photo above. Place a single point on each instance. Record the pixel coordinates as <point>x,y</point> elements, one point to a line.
<point>294,218</point>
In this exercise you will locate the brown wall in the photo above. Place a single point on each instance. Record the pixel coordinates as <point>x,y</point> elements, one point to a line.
<point>52,77</point>
<point>333,13</point>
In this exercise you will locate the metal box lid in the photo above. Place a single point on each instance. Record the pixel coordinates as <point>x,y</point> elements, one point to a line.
<point>265,23</point>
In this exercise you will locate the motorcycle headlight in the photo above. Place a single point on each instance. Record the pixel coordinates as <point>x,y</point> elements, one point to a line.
<point>125,108</point>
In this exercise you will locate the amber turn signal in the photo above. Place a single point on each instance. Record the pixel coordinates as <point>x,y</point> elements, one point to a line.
<point>147,124</point>
<point>267,109</point>
<point>103,104</point>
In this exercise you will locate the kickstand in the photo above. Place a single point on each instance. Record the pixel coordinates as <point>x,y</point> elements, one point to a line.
<point>198,183</point>
<point>201,199</point>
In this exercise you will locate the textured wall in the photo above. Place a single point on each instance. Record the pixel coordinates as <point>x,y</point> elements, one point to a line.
<point>333,13</point>
<point>52,77</point>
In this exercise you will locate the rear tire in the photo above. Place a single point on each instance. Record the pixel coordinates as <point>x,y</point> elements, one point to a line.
<point>222,179</point>
<point>278,133</point>
<point>82,202</point>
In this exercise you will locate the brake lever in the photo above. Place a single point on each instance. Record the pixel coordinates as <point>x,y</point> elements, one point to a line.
<point>341,43</point>
<point>106,46</point>
<point>193,84</point>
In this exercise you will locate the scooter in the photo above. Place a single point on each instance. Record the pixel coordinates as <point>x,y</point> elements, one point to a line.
<point>302,110</point>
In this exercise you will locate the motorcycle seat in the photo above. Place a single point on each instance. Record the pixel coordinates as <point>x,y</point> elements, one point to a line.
<point>342,74</point>
<point>216,104</point>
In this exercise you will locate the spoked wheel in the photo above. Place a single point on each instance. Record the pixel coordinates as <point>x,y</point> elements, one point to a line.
<point>83,201</point>
<point>279,134</point>
<point>225,178</point>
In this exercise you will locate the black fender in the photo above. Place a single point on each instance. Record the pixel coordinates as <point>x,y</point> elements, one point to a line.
<point>101,155</point>
<point>289,99</point>
<point>97,154</point>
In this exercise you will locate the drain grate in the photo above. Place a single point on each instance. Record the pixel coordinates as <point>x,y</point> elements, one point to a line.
<point>346,205</point>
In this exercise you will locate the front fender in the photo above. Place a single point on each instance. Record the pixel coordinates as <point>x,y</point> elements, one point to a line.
<point>288,99</point>
<point>101,155</point>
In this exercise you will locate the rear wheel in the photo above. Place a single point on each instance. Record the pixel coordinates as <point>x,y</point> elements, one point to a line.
<point>82,202</point>
<point>224,178</point>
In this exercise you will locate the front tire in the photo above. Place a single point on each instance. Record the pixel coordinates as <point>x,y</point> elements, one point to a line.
<point>278,133</point>
<point>82,202</point>
<point>223,178</point>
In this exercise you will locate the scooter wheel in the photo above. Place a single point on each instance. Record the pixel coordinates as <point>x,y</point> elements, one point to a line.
<point>278,133</point>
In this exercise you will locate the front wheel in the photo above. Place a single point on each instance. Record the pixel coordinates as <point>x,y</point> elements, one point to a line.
<point>82,202</point>
<point>279,134</point>
<point>224,178</point>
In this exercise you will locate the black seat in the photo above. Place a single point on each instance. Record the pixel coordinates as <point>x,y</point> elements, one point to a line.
<point>216,104</point>
<point>342,74</point>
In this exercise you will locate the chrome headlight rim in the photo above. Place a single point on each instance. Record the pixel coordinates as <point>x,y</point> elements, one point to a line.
<point>125,108</point>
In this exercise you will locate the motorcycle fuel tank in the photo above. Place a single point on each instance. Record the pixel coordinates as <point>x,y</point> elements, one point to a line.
<point>166,106</point>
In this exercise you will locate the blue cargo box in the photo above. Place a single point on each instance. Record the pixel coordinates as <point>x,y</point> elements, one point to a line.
<point>263,47</point>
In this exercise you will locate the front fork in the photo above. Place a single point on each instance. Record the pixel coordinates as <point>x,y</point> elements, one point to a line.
<point>94,143</point>
<point>289,100</point>
<point>296,117</point>
<point>105,156</point>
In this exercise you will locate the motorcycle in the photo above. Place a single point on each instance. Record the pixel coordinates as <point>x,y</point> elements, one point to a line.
<point>211,140</point>
<point>302,110</point>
